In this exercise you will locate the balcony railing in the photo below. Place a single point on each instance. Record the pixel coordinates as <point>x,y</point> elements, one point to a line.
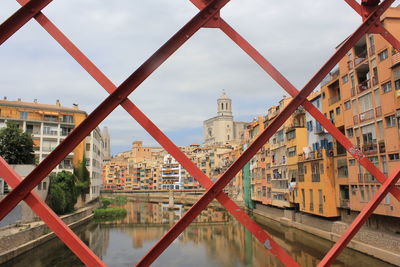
<point>360,57</point>
<point>370,148</point>
<point>368,178</point>
<point>334,99</point>
<point>363,86</point>
<point>367,115</point>
<point>396,59</point>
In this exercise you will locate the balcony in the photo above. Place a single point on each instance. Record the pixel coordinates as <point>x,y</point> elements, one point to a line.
<point>360,57</point>
<point>363,86</point>
<point>367,115</point>
<point>345,203</point>
<point>370,148</point>
<point>334,99</point>
<point>368,178</point>
<point>395,59</point>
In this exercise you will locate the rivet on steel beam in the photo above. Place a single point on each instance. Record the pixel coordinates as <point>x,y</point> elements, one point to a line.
<point>267,244</point>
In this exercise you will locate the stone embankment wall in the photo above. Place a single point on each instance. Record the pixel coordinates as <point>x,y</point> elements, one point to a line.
<point>382,245</point>
<point>19,238</point>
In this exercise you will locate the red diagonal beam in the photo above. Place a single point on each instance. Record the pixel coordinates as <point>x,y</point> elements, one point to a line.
<point>360,220</point>
<point>378,28</point>
<point>52,220</point>
<point>218,186</point>
<point>288,87</point>
<point>107,106</point>
<point>161,138</point>
<point>19,18</point>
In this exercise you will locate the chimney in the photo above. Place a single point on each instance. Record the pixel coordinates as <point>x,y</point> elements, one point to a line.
<point>58,103</point>
<point>75,106</point>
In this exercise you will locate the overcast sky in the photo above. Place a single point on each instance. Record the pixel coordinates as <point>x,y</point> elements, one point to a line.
<point>297,37</point>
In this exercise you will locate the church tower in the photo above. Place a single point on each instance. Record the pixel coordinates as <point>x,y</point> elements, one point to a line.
<point>224,105</point>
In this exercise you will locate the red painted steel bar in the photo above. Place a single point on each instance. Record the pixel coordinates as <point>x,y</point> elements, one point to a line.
<point>286,85</point>
<point>161,138</point>
<point>360,220</point>
<point>379,29</point>
<point>218,186</point>
<point>52,220</point>
<point>19,18</point>
<point>107,106</point>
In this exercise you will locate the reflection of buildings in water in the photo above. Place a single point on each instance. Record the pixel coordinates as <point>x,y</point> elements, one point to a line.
<point>98,238</point>
<point>225,240</point>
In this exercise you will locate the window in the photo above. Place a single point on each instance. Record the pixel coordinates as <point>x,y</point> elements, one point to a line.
<point>352,162</point>
<point>68,118</point>
<point>292,151</point>
<point>291,135</point>
<point>323,95</point>
<point>347,105</point>
<point>87,147</point>
<point>397,84</point>
<point>383,55</point>
<point>345,78</point>
<point>387,199</point>
<point>337,110</point>
<point>350,132</point>
<point>394,156</point>
<point>387,87</point>
<point>309,126</point>
<point>390,121</point>
<point>23,115</point>
<point>362,196</point>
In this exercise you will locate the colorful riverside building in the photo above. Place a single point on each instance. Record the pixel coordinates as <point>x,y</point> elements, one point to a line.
<point>362,98</point>
<point>369,99</point>
<point>49,126</point>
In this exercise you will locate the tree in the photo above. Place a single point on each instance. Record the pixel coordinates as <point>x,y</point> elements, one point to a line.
<point>83,177</point>
<point>16,147</point>
<point>62,195</point>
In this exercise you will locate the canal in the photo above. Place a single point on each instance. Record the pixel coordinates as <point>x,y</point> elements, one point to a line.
<point>214,239</point>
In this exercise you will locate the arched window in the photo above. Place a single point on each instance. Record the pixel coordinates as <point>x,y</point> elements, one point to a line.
<point>222,106</point>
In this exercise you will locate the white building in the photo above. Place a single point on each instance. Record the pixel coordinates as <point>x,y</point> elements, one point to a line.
<point>171,174</point>
<point>221,129</point>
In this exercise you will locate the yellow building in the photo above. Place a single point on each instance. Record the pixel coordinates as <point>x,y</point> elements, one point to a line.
<point>49,126</point>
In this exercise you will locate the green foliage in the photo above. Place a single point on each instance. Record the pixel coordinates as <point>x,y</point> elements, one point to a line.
<point>16,147</point>
<point>105,202</point>
<point>62,195</point>
<point>120,200</point>
<point>110,213</point>
<point>83,177</point>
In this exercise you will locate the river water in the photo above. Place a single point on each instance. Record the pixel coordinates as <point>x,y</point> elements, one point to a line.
<point>214,239</point>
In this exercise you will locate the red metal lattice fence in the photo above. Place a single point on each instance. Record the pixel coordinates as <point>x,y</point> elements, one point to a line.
<point>208,16</point>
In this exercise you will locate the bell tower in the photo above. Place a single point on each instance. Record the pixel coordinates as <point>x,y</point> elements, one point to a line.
<point>224,105</point>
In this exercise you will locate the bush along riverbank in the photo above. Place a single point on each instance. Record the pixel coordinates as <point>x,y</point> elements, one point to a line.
<point>111,213</point>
